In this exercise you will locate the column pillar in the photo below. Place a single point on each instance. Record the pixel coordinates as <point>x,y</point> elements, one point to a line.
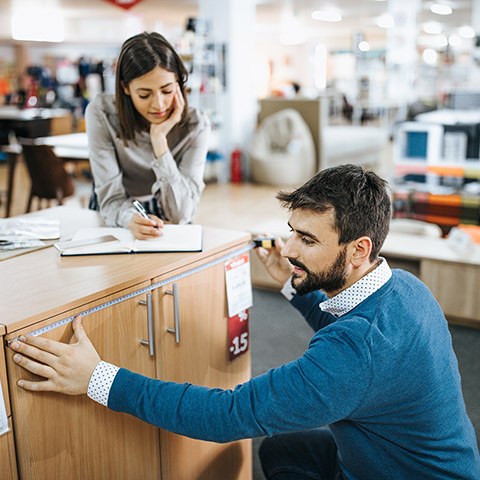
<point>232,22</point>
<point>401,51</point>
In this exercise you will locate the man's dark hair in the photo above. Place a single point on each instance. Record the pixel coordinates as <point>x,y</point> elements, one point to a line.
<point>359,199</point>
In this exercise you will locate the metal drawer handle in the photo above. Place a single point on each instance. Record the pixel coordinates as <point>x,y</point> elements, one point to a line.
<point>176,313</point>
<point>151,340</point>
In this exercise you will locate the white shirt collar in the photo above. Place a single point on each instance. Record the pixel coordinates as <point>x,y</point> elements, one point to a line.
<point>349,298</point>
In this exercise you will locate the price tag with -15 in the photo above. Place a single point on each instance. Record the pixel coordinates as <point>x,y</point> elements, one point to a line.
<point>238,335</point>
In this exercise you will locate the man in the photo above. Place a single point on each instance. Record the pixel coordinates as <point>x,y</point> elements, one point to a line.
<point>380,371</point>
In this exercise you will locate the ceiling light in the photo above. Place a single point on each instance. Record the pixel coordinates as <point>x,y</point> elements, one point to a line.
<point>327,15</point>
<point>364,46</point>
<point>430,56</point>
<point>38,25</point>
<point>432,27</point>
<point>454,40</point>
<point>385,21</point>
<point>441,9</point>
<point>466,31</point>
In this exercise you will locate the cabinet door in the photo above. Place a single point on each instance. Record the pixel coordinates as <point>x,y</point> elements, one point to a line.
<point>8,470</point>
<point>455,287</point>
<point>73,437</point>
<point>199,358</point>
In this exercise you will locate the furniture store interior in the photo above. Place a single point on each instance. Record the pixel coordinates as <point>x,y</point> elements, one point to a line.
<point>247,98</point>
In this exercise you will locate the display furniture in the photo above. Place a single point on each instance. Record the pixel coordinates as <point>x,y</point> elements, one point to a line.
<point>78,438</point>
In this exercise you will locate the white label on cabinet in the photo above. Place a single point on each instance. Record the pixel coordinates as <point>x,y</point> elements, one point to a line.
<point>239,285</point>
<point>3,414</point>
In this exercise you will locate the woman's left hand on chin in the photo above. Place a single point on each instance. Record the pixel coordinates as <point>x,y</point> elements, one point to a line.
<point>159,131</point>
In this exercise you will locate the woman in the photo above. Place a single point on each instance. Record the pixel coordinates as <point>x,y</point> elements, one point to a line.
<point>145,143</point>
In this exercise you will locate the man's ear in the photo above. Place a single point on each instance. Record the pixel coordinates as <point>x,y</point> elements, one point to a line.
<point>362,248</point>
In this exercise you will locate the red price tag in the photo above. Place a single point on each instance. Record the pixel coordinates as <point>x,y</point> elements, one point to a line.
<point>237,335</point>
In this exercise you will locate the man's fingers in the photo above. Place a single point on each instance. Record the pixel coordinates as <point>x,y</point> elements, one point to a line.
<point>44,386</point>
<point>34,367</point>
<point>262,254</point>
<point>78,329</point>
<point>38,350</point>
<point>50,346</point>
<point>279,243</point>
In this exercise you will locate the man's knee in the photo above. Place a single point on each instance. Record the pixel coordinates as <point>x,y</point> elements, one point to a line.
<point>268,453</point>
<point>282,450</point>
<point>310,454</point>
<point>268,445</point>
<point>278,446</point>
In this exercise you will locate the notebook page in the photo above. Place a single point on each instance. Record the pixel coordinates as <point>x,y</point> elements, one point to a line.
<point>175,238</point>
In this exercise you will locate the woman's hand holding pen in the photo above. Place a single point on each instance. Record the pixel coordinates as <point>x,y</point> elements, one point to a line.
<point>145,228</point>
<point>159,131</point>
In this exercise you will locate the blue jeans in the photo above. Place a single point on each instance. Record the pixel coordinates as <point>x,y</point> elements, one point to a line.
<point>310,455</point>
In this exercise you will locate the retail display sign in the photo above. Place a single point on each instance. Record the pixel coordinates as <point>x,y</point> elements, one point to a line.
<point>125,4</point>
<point>238,338</point>
<point>238,284</point>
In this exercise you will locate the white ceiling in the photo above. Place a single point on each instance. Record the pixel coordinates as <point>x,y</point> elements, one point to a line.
<point>357,15</point>
<point>361,12</point>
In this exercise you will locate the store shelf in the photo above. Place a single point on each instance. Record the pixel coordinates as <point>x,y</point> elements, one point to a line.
<point>205,60</point>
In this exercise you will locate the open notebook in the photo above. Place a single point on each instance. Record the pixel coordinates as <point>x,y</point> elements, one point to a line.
<point>104,240</point>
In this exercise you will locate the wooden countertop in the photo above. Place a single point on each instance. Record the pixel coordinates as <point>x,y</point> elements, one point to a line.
<point>40,284</point>
<point>418,247</point>
<point>71,219</point>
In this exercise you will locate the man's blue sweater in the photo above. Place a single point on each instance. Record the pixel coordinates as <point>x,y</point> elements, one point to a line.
<point>384,377</point>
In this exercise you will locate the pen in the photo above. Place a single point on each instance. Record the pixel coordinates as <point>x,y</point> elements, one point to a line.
<point>142,211</point>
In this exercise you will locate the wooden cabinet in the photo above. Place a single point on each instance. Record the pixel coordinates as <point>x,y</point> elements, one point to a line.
<point>8,470</point>
<point>197,353</point>
<point>73,436</point>
<point>76,438</point>
<point>455,287</point>
<point>453,277</point>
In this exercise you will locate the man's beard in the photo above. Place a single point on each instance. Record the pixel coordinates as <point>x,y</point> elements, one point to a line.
<point>330,280</point>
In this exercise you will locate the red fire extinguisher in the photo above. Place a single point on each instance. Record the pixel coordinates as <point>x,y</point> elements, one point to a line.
<point>236,166</point>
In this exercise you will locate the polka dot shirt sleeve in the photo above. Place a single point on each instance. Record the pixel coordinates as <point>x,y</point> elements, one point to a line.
<point>101,381</point>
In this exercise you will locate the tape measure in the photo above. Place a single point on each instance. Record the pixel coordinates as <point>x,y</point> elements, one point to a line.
<point>154,286</point>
